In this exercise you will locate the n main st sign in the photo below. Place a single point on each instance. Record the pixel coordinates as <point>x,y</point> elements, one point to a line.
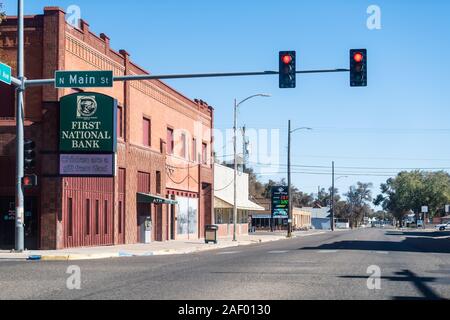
<point>88,123</point>
<point>84,79</point>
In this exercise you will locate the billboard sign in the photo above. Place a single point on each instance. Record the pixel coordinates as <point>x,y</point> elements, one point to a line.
<point>280,202</point>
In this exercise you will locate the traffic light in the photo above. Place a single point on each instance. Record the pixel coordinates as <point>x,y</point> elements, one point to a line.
<point>29,181</point>
<point>358,68</point>
<point>287,69</point>
<point>29,155</point>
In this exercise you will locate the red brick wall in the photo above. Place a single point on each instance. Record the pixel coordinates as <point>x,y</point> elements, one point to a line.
<point>53,45</point>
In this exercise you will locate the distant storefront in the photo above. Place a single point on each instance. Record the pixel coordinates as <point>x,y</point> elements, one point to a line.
<point>263,220</point>
<point>224,201</point>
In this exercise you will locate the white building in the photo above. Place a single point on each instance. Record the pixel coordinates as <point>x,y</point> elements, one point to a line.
<point>224,201</point>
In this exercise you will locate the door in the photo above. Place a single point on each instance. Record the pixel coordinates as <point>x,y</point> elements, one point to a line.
<point>121,221</point>
<point>121,207</point>
<point>172,221</point>
<point>144,221</point>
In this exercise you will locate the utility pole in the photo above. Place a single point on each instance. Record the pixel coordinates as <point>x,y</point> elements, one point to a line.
<point>289,234</point>
<point>332,199</point>
<point>235,209</point>
<point>19,221</point>
<point>244,149</point>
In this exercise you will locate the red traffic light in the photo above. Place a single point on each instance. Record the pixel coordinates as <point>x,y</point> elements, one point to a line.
<point>287,58</point>
<point>29,181</point>
<point>358,57</point>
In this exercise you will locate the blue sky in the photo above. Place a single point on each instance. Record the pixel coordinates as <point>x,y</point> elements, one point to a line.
<point>401,120</point>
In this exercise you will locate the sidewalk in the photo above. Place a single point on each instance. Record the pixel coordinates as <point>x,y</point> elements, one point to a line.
<point>152,249</point>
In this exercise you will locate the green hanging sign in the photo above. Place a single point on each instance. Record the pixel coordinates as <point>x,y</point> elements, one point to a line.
<point>88,123</point>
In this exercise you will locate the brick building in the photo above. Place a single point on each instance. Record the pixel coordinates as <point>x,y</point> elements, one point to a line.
<point>164,148</point>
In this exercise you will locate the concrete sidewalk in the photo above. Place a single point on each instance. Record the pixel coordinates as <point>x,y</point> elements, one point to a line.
<point>152,249</point>
<point>133,250</point>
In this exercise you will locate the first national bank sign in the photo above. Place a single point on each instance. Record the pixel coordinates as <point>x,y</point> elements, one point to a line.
<point>87,123</point>
<point>87,134</point>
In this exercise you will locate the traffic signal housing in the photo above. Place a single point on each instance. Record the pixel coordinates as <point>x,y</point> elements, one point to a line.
<point>29,155</point>
<point>358,68</point>
<point>287,70</point>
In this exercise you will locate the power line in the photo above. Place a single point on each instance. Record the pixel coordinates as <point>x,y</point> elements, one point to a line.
<point>345,167</point>
<point>329,173</point>
<point>371,158</point>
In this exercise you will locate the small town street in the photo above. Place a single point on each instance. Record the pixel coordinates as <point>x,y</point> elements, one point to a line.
<point>413,265</point>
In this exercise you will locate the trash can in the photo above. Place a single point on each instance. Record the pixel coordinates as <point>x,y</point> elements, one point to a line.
<point>211,233</point>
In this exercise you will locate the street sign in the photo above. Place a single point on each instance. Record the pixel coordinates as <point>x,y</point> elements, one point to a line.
<point>87,165</point>
<point>83,79</point>
<point>88,123</point>
<point>424,209</point>
<point>5,73</point>
<point>280,202</point>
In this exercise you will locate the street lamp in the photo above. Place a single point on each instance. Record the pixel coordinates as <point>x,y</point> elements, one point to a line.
<point>236,106</point>
<point>332,197</point>
<point>289,175</point>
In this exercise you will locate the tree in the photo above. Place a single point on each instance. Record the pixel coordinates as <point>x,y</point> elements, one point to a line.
<point>342,210</point>
<point>324,197</point>
<point>409,191</point>
<point>256,188</point>
<point>2,14</point>
<point>301,199</point>
<point>358,198</point>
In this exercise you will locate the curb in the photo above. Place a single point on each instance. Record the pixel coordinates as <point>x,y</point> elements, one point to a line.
<point>125,254</point>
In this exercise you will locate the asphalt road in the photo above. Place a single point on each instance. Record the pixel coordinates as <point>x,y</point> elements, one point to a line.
<point>413,265</point>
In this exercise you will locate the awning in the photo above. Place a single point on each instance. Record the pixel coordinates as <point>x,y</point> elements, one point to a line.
<point>150,198</point>
<point>242,204</point>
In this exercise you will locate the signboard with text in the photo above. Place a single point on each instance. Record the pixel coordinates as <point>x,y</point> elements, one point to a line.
<point>280,202</point>
<point>83,79</point>
<point>5,73</point>
<point>88,123</point>
<point>98,165</point>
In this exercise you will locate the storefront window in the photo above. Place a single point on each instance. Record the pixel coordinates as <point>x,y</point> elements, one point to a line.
<point>187,214</point>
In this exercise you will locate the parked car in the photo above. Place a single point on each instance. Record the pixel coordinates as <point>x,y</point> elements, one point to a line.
<point>443,227</point>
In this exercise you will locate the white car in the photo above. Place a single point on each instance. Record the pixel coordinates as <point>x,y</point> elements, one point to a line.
<point>443,227</point>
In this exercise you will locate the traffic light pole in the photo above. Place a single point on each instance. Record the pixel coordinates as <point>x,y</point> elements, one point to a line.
<point>42,82</point>
<point>19,221</point>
